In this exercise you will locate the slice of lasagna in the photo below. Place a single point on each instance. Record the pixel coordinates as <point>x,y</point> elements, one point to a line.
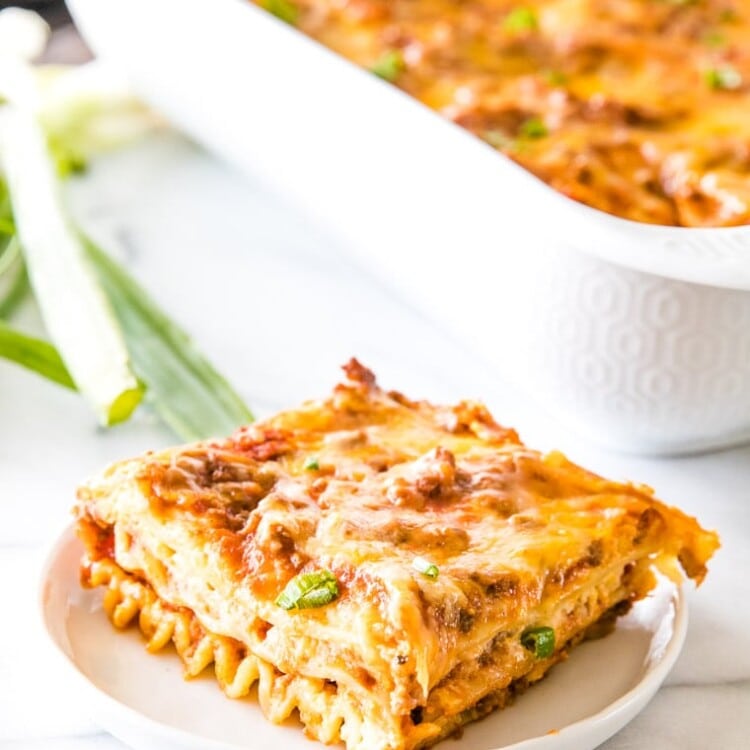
<point>388,568</point>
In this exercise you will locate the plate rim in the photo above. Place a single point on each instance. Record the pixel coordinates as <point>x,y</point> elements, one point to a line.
<point>616,714</point>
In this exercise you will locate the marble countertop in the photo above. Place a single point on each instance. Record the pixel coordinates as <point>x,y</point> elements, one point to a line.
<point>278,305</point>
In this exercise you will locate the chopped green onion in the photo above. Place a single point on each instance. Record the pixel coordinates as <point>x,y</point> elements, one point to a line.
<point>185,389</point>
<point>520,20</point>
<point>389,66</point>
<point>715,38</point>
<point>498,139</point>
<point>308,590</point>
<point>34,354</point>
<point>555,77</point>
<point>75,310</point>
<point>425,567</point>
<point>540,641</point>
<point>311,464</point>
<point>725,78</point>
<point>533,128</point>
<point>283,10</point>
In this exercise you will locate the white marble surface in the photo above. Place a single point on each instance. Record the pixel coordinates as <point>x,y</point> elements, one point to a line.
<point>279,305</point>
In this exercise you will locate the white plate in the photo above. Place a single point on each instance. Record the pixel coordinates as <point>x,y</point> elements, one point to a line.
<point>143,700</point>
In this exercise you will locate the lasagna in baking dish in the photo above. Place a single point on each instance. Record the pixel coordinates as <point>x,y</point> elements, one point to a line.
<point>640,108</point>
<point>388,569</point>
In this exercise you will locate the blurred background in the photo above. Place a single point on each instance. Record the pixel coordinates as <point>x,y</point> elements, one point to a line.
<point>66,45</point>
<point>55,12</point>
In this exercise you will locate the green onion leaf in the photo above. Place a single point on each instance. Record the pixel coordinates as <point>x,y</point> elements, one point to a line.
<point>425,567</point>
<point>533,128</point>
<point>725,78</point>
<point>75,310</point>
<point>68,161</point>
<point>540,641</point>
<point>13,279</point>
<point>311,464</point>
<point>520,20</point>
<point>6,213</point>
<point>14,283</point>
<point>185,389</point>
<point>7,227</point>
<point>389,66</point>
<point>283,10</point>
<point>308,590</point>
<point>85,111</point>
<point>34,354</point>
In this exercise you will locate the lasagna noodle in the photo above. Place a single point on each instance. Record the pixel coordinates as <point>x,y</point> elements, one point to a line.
<point>202,539</point>
<point>328,714</point>
<point>638,108</point>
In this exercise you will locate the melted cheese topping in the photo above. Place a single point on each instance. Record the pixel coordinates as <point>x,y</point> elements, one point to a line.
<point>637,107</point>
<point>361,484</point>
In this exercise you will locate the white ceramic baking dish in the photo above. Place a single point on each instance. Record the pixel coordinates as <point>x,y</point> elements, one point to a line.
<point>638,335</point>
